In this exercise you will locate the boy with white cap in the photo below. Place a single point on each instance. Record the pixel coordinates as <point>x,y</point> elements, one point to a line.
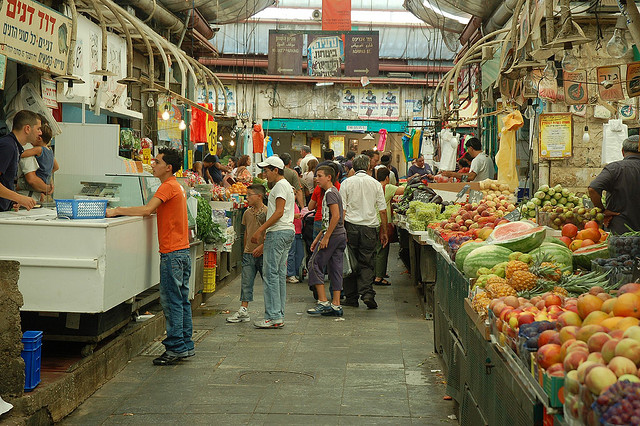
<point>280,233</point>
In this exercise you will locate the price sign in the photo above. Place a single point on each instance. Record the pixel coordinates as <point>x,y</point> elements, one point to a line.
<point>462,192</point>
<point>475,196</point>
<point>513,216</point>
<point>423,196</point>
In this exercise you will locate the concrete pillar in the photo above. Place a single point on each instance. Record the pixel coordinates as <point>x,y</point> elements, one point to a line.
<point>12,371</point>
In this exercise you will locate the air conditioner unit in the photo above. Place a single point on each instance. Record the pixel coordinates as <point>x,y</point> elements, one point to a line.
<point>316,15</point>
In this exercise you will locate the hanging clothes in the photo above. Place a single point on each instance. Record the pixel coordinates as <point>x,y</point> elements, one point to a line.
<point>415,142</point>
<point>269,142</point>
<point>258,139</point>
<point>247,142</point>
<point>382,140</point>
<point>506,156</point>
<point>613,134</point>
<point>198,125</point>
<point>407,146</point>
<point>448,150</point>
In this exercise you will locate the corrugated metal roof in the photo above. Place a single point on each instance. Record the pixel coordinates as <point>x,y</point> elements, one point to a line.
<point>220,11</point>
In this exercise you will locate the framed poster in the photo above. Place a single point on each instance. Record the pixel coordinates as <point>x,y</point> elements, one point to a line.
<point>575,88</point>
<point>633,79</point>
<point>555,136</point>
<point>336,143</point>
<point>609,85</point>
<point>316,147</point>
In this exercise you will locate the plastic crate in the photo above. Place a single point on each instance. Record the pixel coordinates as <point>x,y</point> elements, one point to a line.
<point>32,355</point>
<point>82,209</point>
<point>210,259</point>
<point>209,278</point>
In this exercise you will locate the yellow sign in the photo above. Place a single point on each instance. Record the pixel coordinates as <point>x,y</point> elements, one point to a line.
<point>146,155</point>
<point>190,159</point>
<point>316,147</point>
<point>212,136</point>
<point>337,144</point>
<point>556,136</point>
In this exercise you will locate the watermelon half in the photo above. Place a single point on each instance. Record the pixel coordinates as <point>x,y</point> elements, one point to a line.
<point>582,257</point>
<point>522,236</point>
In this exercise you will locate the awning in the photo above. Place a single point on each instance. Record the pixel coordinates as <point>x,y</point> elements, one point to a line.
<point>356,126</point>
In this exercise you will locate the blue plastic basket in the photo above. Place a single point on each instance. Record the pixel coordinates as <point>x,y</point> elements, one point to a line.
<point>32,355</point>
<point>82,209</point>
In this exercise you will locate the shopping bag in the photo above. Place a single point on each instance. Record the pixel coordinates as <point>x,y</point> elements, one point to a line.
<point>350,263</point>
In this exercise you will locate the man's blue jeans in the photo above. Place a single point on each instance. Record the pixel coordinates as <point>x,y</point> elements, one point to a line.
<point>175,269</point>
<point>276,251</point>
<point>296,254</point>
<point>250,268</point>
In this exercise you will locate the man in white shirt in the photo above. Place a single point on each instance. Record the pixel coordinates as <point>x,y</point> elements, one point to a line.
<point>481,166</point>
<point>363,200</point>
<point>305,154</point>
<point>277,241</point>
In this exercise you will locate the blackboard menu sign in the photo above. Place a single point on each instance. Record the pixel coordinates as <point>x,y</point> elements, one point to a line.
<point>285,53</point>
<point>361,54</point>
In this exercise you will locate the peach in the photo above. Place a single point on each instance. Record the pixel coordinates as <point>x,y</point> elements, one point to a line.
<point>568,332</point>
<point>585,368</point>
<point>621,366</point>
<point>497,308</point>
<point>610,323</point>
<point>607,305</point>
<point>548,355</point>
<point>569,318</point>
<point>525,318</point>
<point>627,305</point>
<point>587,331</point>
<point>632,332</point>
<point>555,369</point>
<point>616,334</point>
<point>629,288</point>
<point>574,359</point>
<point>552,299</point>
<point>571,383</point>
<point>609,349</point>
<point>599,379</point>
<point>597,340</point>
<point>588,303</point>
<point>578,345</point>
<point>627,322</point>
<point>565,346</point>
<point>546,336</point>
<point>595,317</point>
<point>629,348</point>
<point>512,301</point>
<point>596,357</point>
<point>604,296</point>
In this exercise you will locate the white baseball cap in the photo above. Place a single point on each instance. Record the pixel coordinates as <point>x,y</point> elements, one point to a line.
<point>273,161</point>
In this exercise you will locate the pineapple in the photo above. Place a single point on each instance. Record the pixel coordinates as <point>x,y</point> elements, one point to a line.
<point>560,291</point>
<point>547,270</point>
<point>481,302</point>
<point>499,290</point>
<point>523,280</point>
<point>515,265</point>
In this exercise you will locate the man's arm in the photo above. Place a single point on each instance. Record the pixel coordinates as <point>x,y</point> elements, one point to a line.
<point>222,167</point>
<point>146,210</point>
<point>470,176</point>
<point>384,237</point>
<point>22,200</point>
<point>595,197</point>
<point>36,183</point>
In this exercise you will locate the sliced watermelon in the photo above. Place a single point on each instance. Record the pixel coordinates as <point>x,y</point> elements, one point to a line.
<point>522,236</point>
<point>582,257</point>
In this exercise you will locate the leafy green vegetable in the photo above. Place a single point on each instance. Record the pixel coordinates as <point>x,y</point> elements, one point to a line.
<point>206,229</point>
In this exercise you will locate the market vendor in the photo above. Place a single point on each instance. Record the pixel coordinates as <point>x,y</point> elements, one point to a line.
<point>213,168</point>
<point>620,179</point>
<point>420,168</point>
<point>481,166</point>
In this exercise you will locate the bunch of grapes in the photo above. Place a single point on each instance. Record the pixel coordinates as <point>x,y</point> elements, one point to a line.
<point>620,404</point>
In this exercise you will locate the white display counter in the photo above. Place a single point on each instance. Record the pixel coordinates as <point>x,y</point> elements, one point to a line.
<point>80,266</point>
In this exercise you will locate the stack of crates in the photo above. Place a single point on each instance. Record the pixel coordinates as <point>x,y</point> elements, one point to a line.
<point>209,276</point>
<point>32,355</point>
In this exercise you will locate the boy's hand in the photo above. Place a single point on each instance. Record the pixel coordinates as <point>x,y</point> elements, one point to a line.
<point>324,242</point>
<point>257,252</point>
<point>111,213</point>
<point>255,237</point>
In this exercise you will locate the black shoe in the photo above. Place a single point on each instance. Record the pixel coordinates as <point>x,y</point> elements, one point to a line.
<point>369,301</point>
<point>352,303</point>
<point>166,359</point>
<point>314,291</point>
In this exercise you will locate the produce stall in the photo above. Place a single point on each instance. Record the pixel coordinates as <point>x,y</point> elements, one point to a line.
<point>535,323</point>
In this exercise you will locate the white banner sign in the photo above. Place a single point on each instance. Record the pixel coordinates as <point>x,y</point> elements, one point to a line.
<point>35,35</point>
<point>48,87</point>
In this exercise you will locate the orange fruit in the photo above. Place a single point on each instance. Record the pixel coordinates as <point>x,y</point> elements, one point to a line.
<point>575,245</point>
<point>591,224</point>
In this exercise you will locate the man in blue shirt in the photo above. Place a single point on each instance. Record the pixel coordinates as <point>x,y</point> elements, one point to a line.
<point>419,169</point>
<point>26,129</point>
<point>213,168</point>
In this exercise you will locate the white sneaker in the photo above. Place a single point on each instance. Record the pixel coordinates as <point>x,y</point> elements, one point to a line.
<point>267,323</point>
<point>292,280</point>
<point>241,316</point>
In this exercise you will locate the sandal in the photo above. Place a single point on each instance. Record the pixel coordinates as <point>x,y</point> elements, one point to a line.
<point>381,282</point>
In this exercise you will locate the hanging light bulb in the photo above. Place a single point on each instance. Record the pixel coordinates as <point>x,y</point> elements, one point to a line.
<point>617,46</point>
<point>220,138</point>
<point>528,83</point>
<point>278,142</point>
<point>150,102</point>
<point>585,136</point>
<point>529,113</point>
<point>182,125</point>
<point>128,102</point>
<point>569,61</point>
<point>69,92</point>
<point>165,113</point>
<point>232,143</point>
<point>233,133</point>
<point>550,72</point>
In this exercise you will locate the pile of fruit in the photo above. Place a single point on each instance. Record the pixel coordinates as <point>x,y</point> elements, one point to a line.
<point>238,188</point>
<point>420,215</point>
<point>496,189</point>
<point>591,234</point>
<point>620,403</point>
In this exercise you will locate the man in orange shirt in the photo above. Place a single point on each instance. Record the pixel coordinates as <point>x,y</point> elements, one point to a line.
<point>175,263</point>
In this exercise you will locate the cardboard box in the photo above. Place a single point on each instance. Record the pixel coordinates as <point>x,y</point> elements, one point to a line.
<point>554,388</point>
<point>454,187</point>
<point>483,328</point>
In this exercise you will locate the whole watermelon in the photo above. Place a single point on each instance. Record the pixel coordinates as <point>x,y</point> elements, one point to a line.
<point>464,251</point>
<point>484,257</point>
<point>559,254</point>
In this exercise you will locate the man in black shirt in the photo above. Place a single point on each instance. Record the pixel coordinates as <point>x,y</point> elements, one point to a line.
<point>26,129</point>
<point>621,180</point>
<point>213,168</point>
